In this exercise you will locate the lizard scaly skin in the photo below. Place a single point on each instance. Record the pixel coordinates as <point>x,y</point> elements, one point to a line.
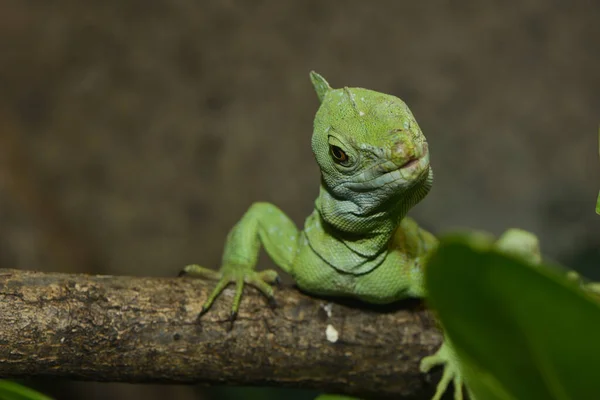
<point>358,242</point>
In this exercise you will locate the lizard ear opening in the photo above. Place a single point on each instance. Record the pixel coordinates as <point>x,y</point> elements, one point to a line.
<point>320,84</point>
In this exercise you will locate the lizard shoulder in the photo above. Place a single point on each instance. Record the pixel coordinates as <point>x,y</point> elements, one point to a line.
<point>412,240</point>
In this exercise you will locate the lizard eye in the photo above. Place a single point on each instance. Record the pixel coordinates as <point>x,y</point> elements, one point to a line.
<point>338,155</point>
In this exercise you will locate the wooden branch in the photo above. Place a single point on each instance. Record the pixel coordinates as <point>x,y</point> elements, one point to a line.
<point>127,329</point>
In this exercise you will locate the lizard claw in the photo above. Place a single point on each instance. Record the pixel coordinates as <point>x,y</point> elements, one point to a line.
<point>272,302</point>
<point>232,318</point>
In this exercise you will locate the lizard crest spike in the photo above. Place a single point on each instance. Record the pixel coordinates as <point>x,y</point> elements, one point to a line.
<point>320,84</point>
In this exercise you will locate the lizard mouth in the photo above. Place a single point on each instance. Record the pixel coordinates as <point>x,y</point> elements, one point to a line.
<point>391,174</point>
<point>410,163</point>
<point>414,160</point>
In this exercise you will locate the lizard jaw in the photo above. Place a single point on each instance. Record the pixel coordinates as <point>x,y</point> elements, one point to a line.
<point>404,176</point>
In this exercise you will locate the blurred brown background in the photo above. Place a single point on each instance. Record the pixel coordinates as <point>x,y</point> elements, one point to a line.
<point>134,134</point>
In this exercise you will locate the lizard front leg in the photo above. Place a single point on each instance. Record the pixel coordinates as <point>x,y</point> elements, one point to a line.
<point>264,224</point>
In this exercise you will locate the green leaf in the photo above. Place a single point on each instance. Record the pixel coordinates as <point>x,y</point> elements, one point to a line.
<point>522,332</point>
<point>10,390</point>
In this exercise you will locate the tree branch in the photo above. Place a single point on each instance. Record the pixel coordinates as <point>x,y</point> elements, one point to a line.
<point>127,329</point>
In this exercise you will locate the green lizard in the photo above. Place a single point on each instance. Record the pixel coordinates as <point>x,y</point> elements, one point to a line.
<point>358,242</point>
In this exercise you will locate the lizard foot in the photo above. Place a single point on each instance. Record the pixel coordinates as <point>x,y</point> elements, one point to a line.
<point>446,358</point>
<point>238,274</point>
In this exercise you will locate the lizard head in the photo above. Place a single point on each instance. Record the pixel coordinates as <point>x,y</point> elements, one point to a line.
<point>369,146</point>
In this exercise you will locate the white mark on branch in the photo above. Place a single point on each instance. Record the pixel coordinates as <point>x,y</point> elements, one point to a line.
<point>331,333</point>
<point>328,309</point>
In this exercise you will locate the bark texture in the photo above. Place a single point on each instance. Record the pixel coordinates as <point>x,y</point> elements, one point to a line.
<point>129,329</point>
